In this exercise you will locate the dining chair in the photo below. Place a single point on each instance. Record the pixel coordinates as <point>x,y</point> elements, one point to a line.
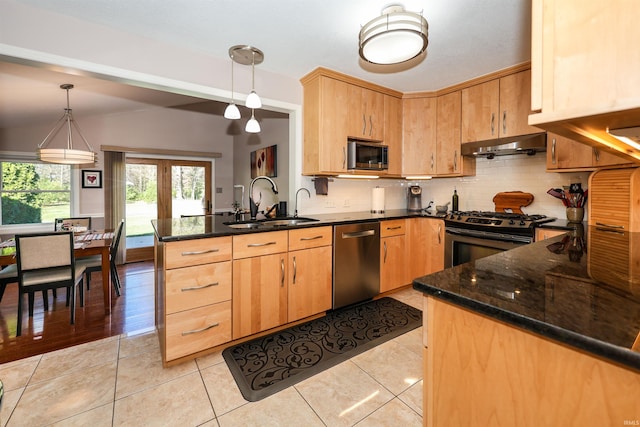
<point>84,221</point>
<point>8,274</point>
<point>46,261</point>
<point>94,263</point>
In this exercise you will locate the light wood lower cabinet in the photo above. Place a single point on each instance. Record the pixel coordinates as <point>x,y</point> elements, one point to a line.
<point>393,255</point>
<point>259,294</point>
<point>426,246</point>
<point>479,371</point>
<point>309,272</point>
<point>193,295</point>
<point>547,233</point>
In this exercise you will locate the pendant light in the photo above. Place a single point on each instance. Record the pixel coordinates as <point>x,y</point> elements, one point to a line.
<point>394,37</point>
<point>253,100</point>
<point>252,125</point>
<point>68,155</point>
<point>232,112</point>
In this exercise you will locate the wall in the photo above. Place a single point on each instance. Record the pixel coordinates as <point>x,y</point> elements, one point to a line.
<point>508,173</point>
<point>273,132</point>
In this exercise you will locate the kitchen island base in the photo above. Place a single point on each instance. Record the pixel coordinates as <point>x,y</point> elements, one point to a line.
<point>480,371</point>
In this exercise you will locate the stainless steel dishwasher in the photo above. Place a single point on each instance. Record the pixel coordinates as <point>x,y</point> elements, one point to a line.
<point>356,263</point>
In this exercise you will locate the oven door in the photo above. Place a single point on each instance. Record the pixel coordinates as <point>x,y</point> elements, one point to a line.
<point>463,245</point>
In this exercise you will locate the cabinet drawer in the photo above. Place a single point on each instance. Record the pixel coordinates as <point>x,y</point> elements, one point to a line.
<point>197,251</point>
<point>199,329</point>
<point>257,244</point>
<point>196,286</point>
<point>394,227</point>
<point>305,238</point>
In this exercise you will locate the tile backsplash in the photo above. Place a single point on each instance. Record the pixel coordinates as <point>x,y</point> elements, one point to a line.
<point>506,173</point>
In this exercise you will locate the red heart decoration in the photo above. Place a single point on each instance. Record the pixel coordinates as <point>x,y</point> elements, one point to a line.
<point>91,179</point>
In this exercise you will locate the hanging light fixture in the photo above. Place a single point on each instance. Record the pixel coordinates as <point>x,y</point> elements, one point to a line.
<point>68,155</point>
<point>394,37</point>
<point>253,100</point>
<point>252,125</point>
<point>232,112</point>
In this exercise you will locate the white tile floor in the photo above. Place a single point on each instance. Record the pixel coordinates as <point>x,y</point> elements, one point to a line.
<point>119,381</point>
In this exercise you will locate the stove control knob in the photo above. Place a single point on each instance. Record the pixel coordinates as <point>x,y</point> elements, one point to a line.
<point>459,217</point>
<point>522,222</point>
<point>511,222</point>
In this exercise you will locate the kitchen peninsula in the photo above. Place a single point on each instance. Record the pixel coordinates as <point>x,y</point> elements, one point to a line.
<point>544,334</point>
<point>220,280</point>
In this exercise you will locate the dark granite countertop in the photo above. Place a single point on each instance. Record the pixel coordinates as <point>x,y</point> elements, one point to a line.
<point>198,227</point>
<point>580,289</point>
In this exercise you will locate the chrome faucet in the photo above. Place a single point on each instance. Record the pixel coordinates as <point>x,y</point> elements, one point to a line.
<point>253,206</point>
<point>295,212</point>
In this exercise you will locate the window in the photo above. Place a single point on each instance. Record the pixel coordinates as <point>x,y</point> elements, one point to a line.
<point>33,192</point>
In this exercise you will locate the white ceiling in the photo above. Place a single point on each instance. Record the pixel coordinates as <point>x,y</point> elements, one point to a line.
<point>467,38</point>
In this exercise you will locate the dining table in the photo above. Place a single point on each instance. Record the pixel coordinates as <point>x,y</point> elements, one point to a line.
<point>86,244</point>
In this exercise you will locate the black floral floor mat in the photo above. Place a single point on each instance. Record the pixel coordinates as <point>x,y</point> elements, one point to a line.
<point>268,364</point>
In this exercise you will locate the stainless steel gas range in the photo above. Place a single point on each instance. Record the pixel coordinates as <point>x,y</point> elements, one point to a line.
<point>475,234</point>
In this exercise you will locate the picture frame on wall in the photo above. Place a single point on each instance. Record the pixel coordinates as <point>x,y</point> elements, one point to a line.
<point>264,162</point>
<point>91,179</point>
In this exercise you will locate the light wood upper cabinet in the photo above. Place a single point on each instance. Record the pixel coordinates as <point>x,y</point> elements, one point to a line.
<point>449,160</point>
<point>335,108</point>
<point>326,117</point>
<point>419,136</point>
<point>564,153</point>
<point>498,108</point>
<point>393,133</point>
<point>584,67</point>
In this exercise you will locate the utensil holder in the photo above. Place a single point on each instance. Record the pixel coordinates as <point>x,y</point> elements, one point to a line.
<point>575,214</point>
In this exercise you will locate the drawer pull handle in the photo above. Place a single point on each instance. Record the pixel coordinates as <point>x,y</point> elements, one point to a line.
<point>195,288</point>
<point>606,230</point>
<point>282,273</point>
<point>257,245</point>
<point>197,331</point>
<point>311,238</point>
<point>208,251</point>
<point>610,225</point>
<point>394,228</point>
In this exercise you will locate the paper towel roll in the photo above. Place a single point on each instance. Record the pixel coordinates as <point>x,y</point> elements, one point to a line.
<point>377,200</point>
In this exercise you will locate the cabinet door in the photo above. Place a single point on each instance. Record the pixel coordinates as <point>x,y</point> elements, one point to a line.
<point>334,125</point>
<point>310,279</point>
<point>259,294</point>
<point>515,105</point>
<point>449,159</point>
<point>480,106</point>
<point>393,263</point>
<point>426,246</point>
<point>419,136</point>
<point>603,158</point>
<point>565,153</point>
<point>393,133</point>
<point>373,108</point>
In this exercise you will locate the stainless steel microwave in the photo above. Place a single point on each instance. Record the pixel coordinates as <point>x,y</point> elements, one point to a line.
<point>367,155</point>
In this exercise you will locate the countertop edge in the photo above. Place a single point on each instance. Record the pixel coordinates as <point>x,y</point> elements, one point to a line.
<point>622,356</point>
<point>325,220</point>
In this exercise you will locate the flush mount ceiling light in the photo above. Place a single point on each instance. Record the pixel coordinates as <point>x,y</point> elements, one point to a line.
<point>394,37</point>
<point>68,155</point>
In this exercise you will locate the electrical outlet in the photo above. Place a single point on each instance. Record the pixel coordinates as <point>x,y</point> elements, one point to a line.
<point>347,203</point>
<point>330,204</point>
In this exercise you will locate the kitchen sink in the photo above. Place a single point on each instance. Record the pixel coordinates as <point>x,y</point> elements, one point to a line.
<point>243,225</point>
<point>288,221</point>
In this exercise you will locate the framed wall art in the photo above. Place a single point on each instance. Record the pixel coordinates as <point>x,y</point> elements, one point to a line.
<point>91,179</point>
<point>264,162</point>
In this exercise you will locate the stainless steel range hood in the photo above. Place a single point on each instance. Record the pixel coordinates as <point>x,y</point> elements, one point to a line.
<point>524,144</point>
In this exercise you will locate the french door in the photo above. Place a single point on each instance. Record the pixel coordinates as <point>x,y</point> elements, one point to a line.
<point>161,189</point>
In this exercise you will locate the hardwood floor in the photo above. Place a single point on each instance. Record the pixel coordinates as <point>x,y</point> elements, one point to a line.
<point>132,312</point>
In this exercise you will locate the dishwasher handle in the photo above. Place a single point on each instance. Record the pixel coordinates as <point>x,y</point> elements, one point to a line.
<point>358,234</point>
